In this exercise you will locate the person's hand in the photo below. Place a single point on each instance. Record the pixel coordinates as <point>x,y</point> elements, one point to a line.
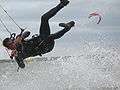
<point>18,40</point>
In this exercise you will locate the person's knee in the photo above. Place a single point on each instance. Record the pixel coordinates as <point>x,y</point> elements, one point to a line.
<point>44,17</point>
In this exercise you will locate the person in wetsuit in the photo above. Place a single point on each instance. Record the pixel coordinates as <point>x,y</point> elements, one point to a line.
<point>39,44</point>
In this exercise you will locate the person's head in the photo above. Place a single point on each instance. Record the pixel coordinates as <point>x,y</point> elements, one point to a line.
<point>9,43</point>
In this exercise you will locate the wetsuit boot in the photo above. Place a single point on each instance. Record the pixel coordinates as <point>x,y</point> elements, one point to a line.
<point>67,25</point>
<point>64,2</point>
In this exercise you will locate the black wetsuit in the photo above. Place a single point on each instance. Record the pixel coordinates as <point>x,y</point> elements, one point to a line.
<point>44,42</point>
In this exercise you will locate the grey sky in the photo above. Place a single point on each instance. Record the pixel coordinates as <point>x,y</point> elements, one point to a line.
<point>32,10</point>
<point>28,13</point>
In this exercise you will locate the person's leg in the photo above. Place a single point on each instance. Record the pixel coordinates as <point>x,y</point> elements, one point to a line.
<point>59,34</point>
<point>44,27</point>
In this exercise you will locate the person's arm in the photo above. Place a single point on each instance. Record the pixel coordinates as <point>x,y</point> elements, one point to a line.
<point>18,53</point>
<point>18,40</point>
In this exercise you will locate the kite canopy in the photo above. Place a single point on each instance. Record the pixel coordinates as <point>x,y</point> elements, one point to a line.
<point>95,14</point>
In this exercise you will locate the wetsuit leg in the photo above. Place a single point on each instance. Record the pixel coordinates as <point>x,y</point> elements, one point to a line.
<point>44,27</point>
<point>59,34</point>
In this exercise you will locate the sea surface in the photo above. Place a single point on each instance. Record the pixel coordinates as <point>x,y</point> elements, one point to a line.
<point>79,61</point>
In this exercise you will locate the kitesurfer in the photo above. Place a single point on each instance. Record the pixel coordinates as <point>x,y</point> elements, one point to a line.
<point>39,44</point>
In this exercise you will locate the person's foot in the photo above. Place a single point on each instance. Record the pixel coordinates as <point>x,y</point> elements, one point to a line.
<point>67,25</point>
<point>64,2</point>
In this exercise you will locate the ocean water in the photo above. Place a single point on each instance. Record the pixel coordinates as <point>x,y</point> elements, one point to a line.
<point>87,61</point>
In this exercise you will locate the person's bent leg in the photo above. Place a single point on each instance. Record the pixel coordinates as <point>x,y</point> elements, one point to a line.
<point>44,28</point>
<point>54,10</point>
<point>59,34</point>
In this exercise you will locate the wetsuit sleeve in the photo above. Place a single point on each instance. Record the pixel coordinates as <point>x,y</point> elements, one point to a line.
<point>19,56</point>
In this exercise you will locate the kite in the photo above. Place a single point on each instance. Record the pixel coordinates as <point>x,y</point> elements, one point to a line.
<point>95,14</point>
